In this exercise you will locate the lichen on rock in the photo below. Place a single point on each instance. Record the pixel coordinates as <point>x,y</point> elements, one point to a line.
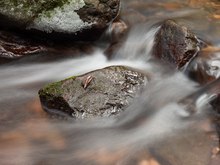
<point>25,9</point>
<point>62,16</point>
<point>61,19</point>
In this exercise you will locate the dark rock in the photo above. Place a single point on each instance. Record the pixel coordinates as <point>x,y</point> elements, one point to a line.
<point>104,92</point>
<point>99,12</point>
<point>13,46</point>
<point>205,67</point>
<point>216,107</point>
<point>175,44</point>
<point>118,31</point>
<point>216,104</point>
<point>61,16</point>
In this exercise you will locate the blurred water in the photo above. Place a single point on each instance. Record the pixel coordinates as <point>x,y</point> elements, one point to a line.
<point>157,129</point>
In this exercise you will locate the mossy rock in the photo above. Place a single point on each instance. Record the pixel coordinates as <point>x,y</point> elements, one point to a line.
<point>62,16</point>
<point>100,93</point>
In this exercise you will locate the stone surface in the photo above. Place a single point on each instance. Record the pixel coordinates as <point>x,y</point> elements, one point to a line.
<point>13,46</point>
<point>216,104</point>
<point>175,44</point>
<point>117,32</point>
<point>205,67</point>
<point>62,16</point>
<point>100,93</point>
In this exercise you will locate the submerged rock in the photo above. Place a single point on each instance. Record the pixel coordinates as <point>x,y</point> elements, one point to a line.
<point>117,32</point>
<point>100,93</point>
<point>175,44</point>
<point>63,16</point>
<point>205,67</point>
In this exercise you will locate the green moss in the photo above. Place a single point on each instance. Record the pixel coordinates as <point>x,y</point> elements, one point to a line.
<point>69,78</point>
<point>48,6</point>
<point>54,89</point>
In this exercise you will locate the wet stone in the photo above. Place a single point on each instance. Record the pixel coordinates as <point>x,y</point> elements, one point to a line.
<point>59,16</point>
<point>205,67</point>
<point>175,44</point>
<point>100,93</point>
<point>24,48</point>
<point>118,31</point>
<point>13,46</point>
<point>99,12</point>
<point>216,107</point>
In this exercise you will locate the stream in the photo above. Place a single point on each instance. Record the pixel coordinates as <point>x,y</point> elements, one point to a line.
<point>154,130</point>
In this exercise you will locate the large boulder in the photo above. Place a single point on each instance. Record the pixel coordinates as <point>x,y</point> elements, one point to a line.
<point>100,93</point>
<point>175,44</point>
<point>62,16</point>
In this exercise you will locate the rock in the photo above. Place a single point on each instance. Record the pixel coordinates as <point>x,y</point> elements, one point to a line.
<point>216,104</point>
<point>100,93</point>
<point>205,67</point>
<point>175,44</point>
<point>117,31</point>
<point>62,16</point>
<point>216,107</point>
<point>13,46</point>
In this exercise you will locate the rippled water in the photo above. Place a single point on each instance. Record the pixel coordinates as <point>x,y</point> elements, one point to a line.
<point>155,130</point>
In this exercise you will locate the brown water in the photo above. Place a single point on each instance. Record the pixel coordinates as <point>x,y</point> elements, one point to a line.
<point>155,130</point>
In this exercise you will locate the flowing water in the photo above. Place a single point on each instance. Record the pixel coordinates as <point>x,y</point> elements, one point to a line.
<point>159,128</point>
